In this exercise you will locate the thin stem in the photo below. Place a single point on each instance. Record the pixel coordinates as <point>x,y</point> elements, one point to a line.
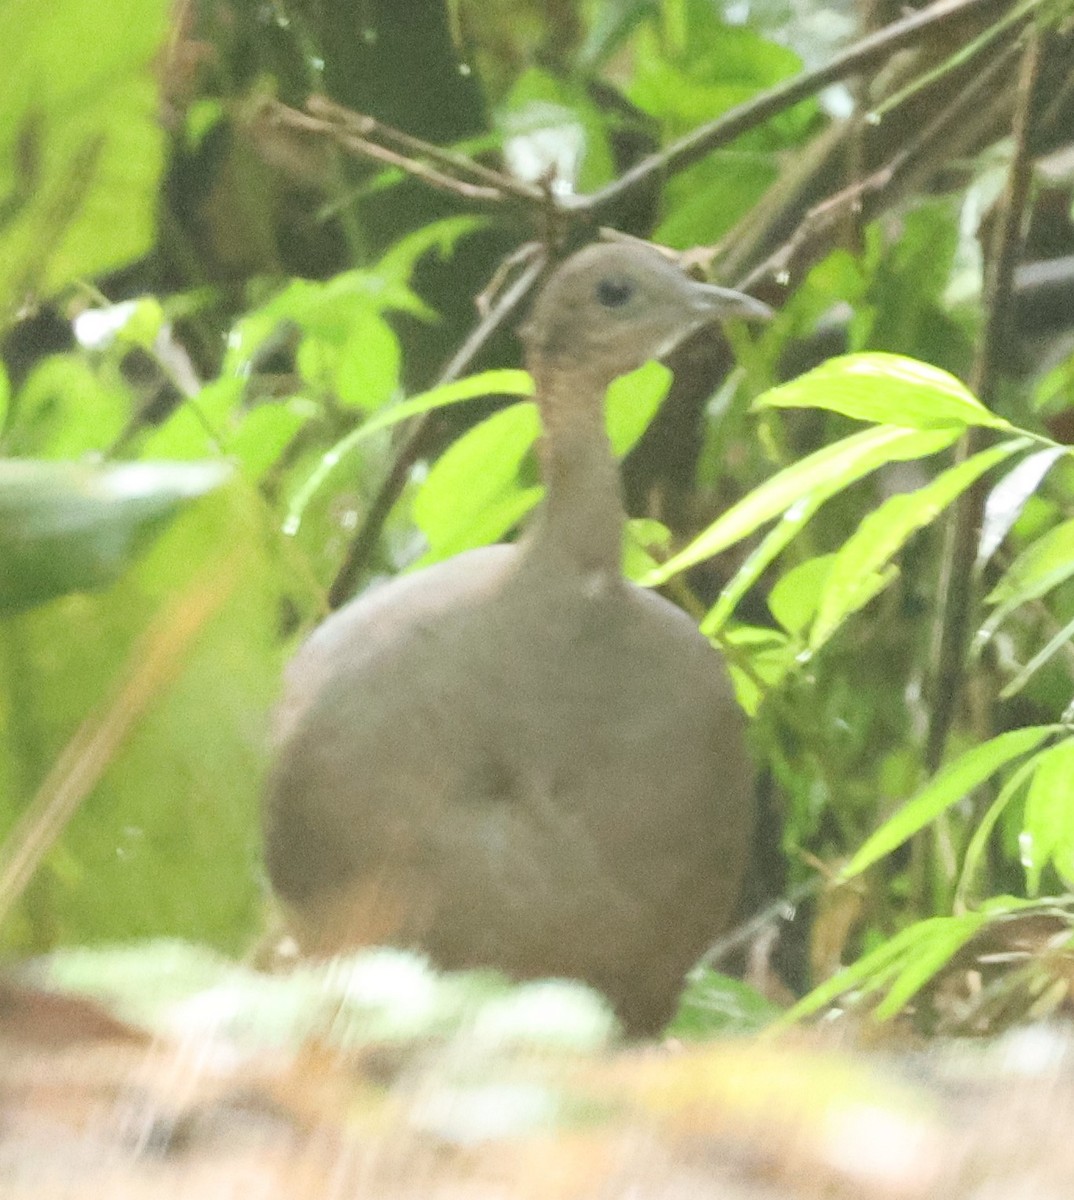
<point>957,599</point>
<point>415,441</point>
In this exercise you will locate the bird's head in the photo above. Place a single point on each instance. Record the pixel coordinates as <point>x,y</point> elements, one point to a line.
<point>615,305</point>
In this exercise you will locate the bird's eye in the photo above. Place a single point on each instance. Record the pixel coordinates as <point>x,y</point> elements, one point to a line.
<point>614,293</point>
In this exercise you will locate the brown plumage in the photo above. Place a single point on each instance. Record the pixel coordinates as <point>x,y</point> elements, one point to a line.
<point>515,758</point>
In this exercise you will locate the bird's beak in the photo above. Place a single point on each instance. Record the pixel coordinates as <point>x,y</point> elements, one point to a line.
<point>712,303</point>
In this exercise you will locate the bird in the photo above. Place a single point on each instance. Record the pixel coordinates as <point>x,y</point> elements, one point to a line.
<point>515,758</point>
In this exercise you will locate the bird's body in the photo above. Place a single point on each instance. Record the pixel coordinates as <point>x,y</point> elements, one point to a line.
<point>516,758</point>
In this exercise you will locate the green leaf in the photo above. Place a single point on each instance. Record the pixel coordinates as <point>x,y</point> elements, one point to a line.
<point>812,480</point>
<point>631,403</point>
<point>759,660</point>
<point>473,488</point>
<point>199,427</point>
<point>641,537</point>
<point>905,962</point>
<point>1043,565</point>
<point>717,1005</point>
<point>5,399</point>
<point>703,202</point>
<point>488,383</point>
<point>978,843</point>
<point>1048,832</point>
<point>1058,641</point>
<point>793,600</point>
<point>938,940</point>
<point>64,410</point>
<point>887,388</point>
<point>366,373</point>
<point>168,843</point>
<point>769,549</point>
<point>1009,497</point>
<point>399,260</point>
<point>950,785</point>
<point>81,146</point>
<point>69,528</point>
<point>265,432</point>
<point>860,568</point>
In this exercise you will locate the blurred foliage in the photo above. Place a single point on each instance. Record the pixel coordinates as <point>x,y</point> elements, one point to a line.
<point>184,279</point>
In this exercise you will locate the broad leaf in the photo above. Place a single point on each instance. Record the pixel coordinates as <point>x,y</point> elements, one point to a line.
<point>81,145</point>
<point>472,495</point>
<point>70,528</point>
<point>488,383</point>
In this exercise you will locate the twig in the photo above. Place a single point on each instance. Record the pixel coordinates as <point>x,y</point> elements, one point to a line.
<point>413,444</point>
<point>862,56</point>
<point>818,229</point>
<point>365,126</point>
<point>361,146</point>
<point>956,587</point>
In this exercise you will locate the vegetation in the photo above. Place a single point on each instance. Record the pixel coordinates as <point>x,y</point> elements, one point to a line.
<point>244,376</point>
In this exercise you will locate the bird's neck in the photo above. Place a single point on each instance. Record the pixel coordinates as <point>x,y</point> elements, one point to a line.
<point>580,523</point>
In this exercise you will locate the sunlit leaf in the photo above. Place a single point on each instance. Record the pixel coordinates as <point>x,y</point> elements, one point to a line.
<point>477,474</point>
<point>886,388</point>
<point>1043,565</point>
<point>488,383</point>
<point>200,426</point>
<point>948,786</point>
<point>757,562</point>
<point>939,940</point>
<point>81,145</point>
<point>860,569</point>
<point>794,597</point>
<point>976,850</point>
<point>904,963</point>
<point>632,402</point>
<point>64,409</point>
<point>812,479</point>
<point>264,433</point>
<point>1048,832</point>
<point>443,236</point>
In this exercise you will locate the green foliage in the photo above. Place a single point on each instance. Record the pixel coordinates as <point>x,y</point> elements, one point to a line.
<point>67,528</point>
<point>807,540</point>
<point>81,152</point>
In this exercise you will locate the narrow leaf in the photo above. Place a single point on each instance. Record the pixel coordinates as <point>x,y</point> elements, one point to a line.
<point>813,479</point>
<point>1008,498</point>
<point>488,383</point>
<point>942,940</point>
<point>774,543</point>
<point>1058,640</point>
<point>1048,836</point>
<point>949,786</point>
<point>885,388</point>
<point>975,851</point>
<point>858,571</point>
<point>1046,563</point>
